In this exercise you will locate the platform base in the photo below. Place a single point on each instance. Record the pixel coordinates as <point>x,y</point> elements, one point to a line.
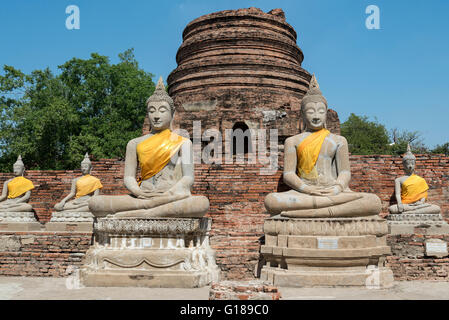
<point>409,223</point>
<point>144,278</point>
<point>21,226</point>
<point>370,277</point>
<point>69,226</point>
<point>158,252</point>
<point>326,252</point>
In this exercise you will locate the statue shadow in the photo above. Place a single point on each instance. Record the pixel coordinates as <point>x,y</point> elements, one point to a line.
<point>261,262</point>
<point>281,186</point>
<point>392,199</point>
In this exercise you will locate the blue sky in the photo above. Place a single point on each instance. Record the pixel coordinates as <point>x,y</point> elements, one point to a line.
<point>398,74</point>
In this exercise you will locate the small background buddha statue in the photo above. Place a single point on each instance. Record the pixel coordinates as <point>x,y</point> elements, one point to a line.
<point>83,188</point>
<point>16,191</point>
<point>411,190</point>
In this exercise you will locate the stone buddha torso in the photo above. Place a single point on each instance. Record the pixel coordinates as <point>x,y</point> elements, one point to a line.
<point>82,189</point>
<point>166,178</point>
<point>325,165</point>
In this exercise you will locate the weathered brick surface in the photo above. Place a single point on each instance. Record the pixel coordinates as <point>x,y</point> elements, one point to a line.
<point>241,66</point>
<point>243,290</point>
<point>40,253</point>
<point>237,191</point>
<point>409,262</point>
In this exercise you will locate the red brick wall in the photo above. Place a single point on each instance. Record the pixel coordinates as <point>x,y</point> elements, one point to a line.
<point>40,253</point>
<point>236,193</point>
<point>409,261</point>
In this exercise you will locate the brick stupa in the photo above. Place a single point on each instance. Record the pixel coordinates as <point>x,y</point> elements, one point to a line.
<point>240,66</point>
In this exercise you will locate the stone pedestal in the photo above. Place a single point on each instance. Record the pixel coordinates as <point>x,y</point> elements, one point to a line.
<point>323,252</point>
<point>158,252</point>
<point>19,221</point>
<point>408,223</point>
<point>71,221</point>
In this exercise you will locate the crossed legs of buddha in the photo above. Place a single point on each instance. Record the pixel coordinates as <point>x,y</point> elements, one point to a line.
<point>162,206</point>
<point>299,205</point>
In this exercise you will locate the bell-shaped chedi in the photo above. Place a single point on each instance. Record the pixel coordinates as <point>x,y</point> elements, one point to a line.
<point>239,66</point>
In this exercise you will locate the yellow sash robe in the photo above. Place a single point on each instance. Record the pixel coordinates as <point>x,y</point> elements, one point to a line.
<point>413,189</point>
<point>86,185</point>
<point>155,152</point>
<point>307,153</point>
<point>19,186</point>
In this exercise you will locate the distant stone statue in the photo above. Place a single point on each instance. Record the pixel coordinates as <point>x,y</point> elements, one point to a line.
<point>316,167</point>
<point>166,169</point>
<point>411,190</point>
<point>83,188</point>
<point>17,191</point>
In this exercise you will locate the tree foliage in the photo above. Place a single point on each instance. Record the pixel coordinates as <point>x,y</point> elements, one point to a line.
<point>442,149</point>
<point>402,138</point>
<point>364,136</point>
<point>90,106</point>
<point>370,137</point>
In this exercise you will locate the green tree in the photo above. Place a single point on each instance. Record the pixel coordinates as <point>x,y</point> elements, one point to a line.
<point>364,136</point>
<point>91,106</point>
<point>402,138</point>
<point>442,149</point>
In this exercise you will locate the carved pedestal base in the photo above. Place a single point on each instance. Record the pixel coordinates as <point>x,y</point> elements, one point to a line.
<point>406,223</point>
<point>19,221</point>
<point>159,252</point>
<point>73,221</point>
<point>326,252</point>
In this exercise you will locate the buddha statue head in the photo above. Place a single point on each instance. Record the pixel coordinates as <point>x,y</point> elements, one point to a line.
<point>314,107</point>
<point>409,161</point>
<point>160,108</point>
<point>86,165</point>
<point>19,167</point>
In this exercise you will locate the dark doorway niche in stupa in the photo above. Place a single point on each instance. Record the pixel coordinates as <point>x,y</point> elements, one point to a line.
<point>241,139</point>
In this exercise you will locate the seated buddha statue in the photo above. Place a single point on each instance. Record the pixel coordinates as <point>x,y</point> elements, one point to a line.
<point>411,190</point>
<point>316,167</point>
<point>166,169</point>
<point>16,191</point>
<point>83,188</point>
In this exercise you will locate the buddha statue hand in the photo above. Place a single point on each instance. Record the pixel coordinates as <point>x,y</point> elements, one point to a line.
<point>175,191</point>
<point>148,194</point>
<point>312,190</point>
<point>322,191</point>
<point>60,206</point>
<point>420,201</point>
<point>400,208</point>
<point>331,191</point>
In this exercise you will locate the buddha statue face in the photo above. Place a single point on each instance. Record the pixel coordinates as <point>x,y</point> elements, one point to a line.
<point>314,115</point>
<point>409,166</point>
<point>160,115</point>
<point>18,170</point>
<point>85,168</point>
